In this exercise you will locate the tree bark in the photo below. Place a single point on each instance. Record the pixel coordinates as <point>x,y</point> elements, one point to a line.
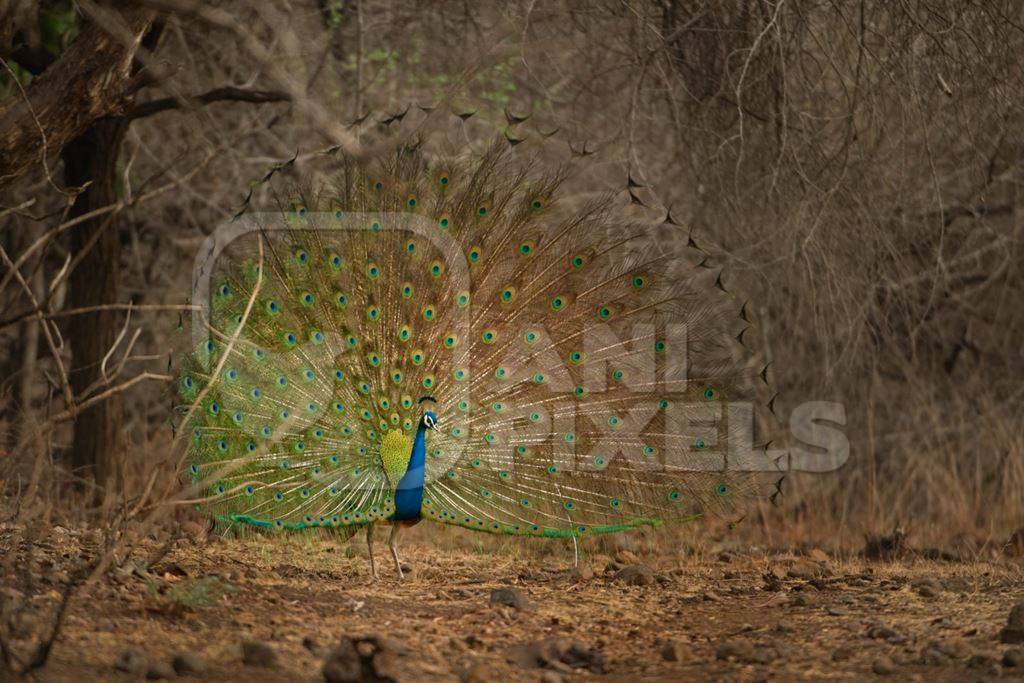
<point>90,80</point>
<point>97,447</point>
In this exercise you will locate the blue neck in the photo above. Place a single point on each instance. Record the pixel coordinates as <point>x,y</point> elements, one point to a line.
<point>409,493</point>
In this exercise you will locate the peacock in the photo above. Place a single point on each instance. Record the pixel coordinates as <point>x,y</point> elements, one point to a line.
<point>479,334</point>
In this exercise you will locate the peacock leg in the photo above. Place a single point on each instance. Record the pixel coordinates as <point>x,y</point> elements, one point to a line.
<point>369,546</point>
<point>394,551</point>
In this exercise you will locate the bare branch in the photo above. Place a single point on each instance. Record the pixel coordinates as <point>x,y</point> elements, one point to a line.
<point>225,94</point>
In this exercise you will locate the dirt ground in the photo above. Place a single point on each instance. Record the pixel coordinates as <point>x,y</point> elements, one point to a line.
<point>277,609</point>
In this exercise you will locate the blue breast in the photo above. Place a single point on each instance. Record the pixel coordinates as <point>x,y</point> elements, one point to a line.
<point>409,493</point>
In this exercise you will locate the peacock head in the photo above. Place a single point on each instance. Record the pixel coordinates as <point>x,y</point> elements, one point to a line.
<point>429,419</point>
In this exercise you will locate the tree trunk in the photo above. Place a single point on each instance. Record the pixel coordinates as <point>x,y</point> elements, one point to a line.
<point>92,79</point>
<point>92,157</point>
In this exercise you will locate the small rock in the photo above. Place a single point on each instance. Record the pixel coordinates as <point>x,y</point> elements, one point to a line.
<point>626,557</point>
<point>740,650</point>
<point>257,653</point>
<point>509,597</point>
<point>1013,632</point>
<point>842,653</point>
<point>636,575</point>
<point>675,651</point>
<point>887,634</point>
<point>838,612</point>
<point>954,648</point>
<point>556,652</point>
<point>583,572</point>
<point>343,664</point>
<point>806,570</point>
<point>131,661</point>
<point>932,657</point>
<point>927,587</point>
<point>886,547</point>
<point>309,642</point>
<point>547,677</point>
<point>883,666</point>
<point>711,596</point>
<point>160,670</point>
<point>817,555</point>
<point>725,557</point>
<point>1013,658</point>
<point>800,600</point>
<point>981,661</point>
<point>185,663</point>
